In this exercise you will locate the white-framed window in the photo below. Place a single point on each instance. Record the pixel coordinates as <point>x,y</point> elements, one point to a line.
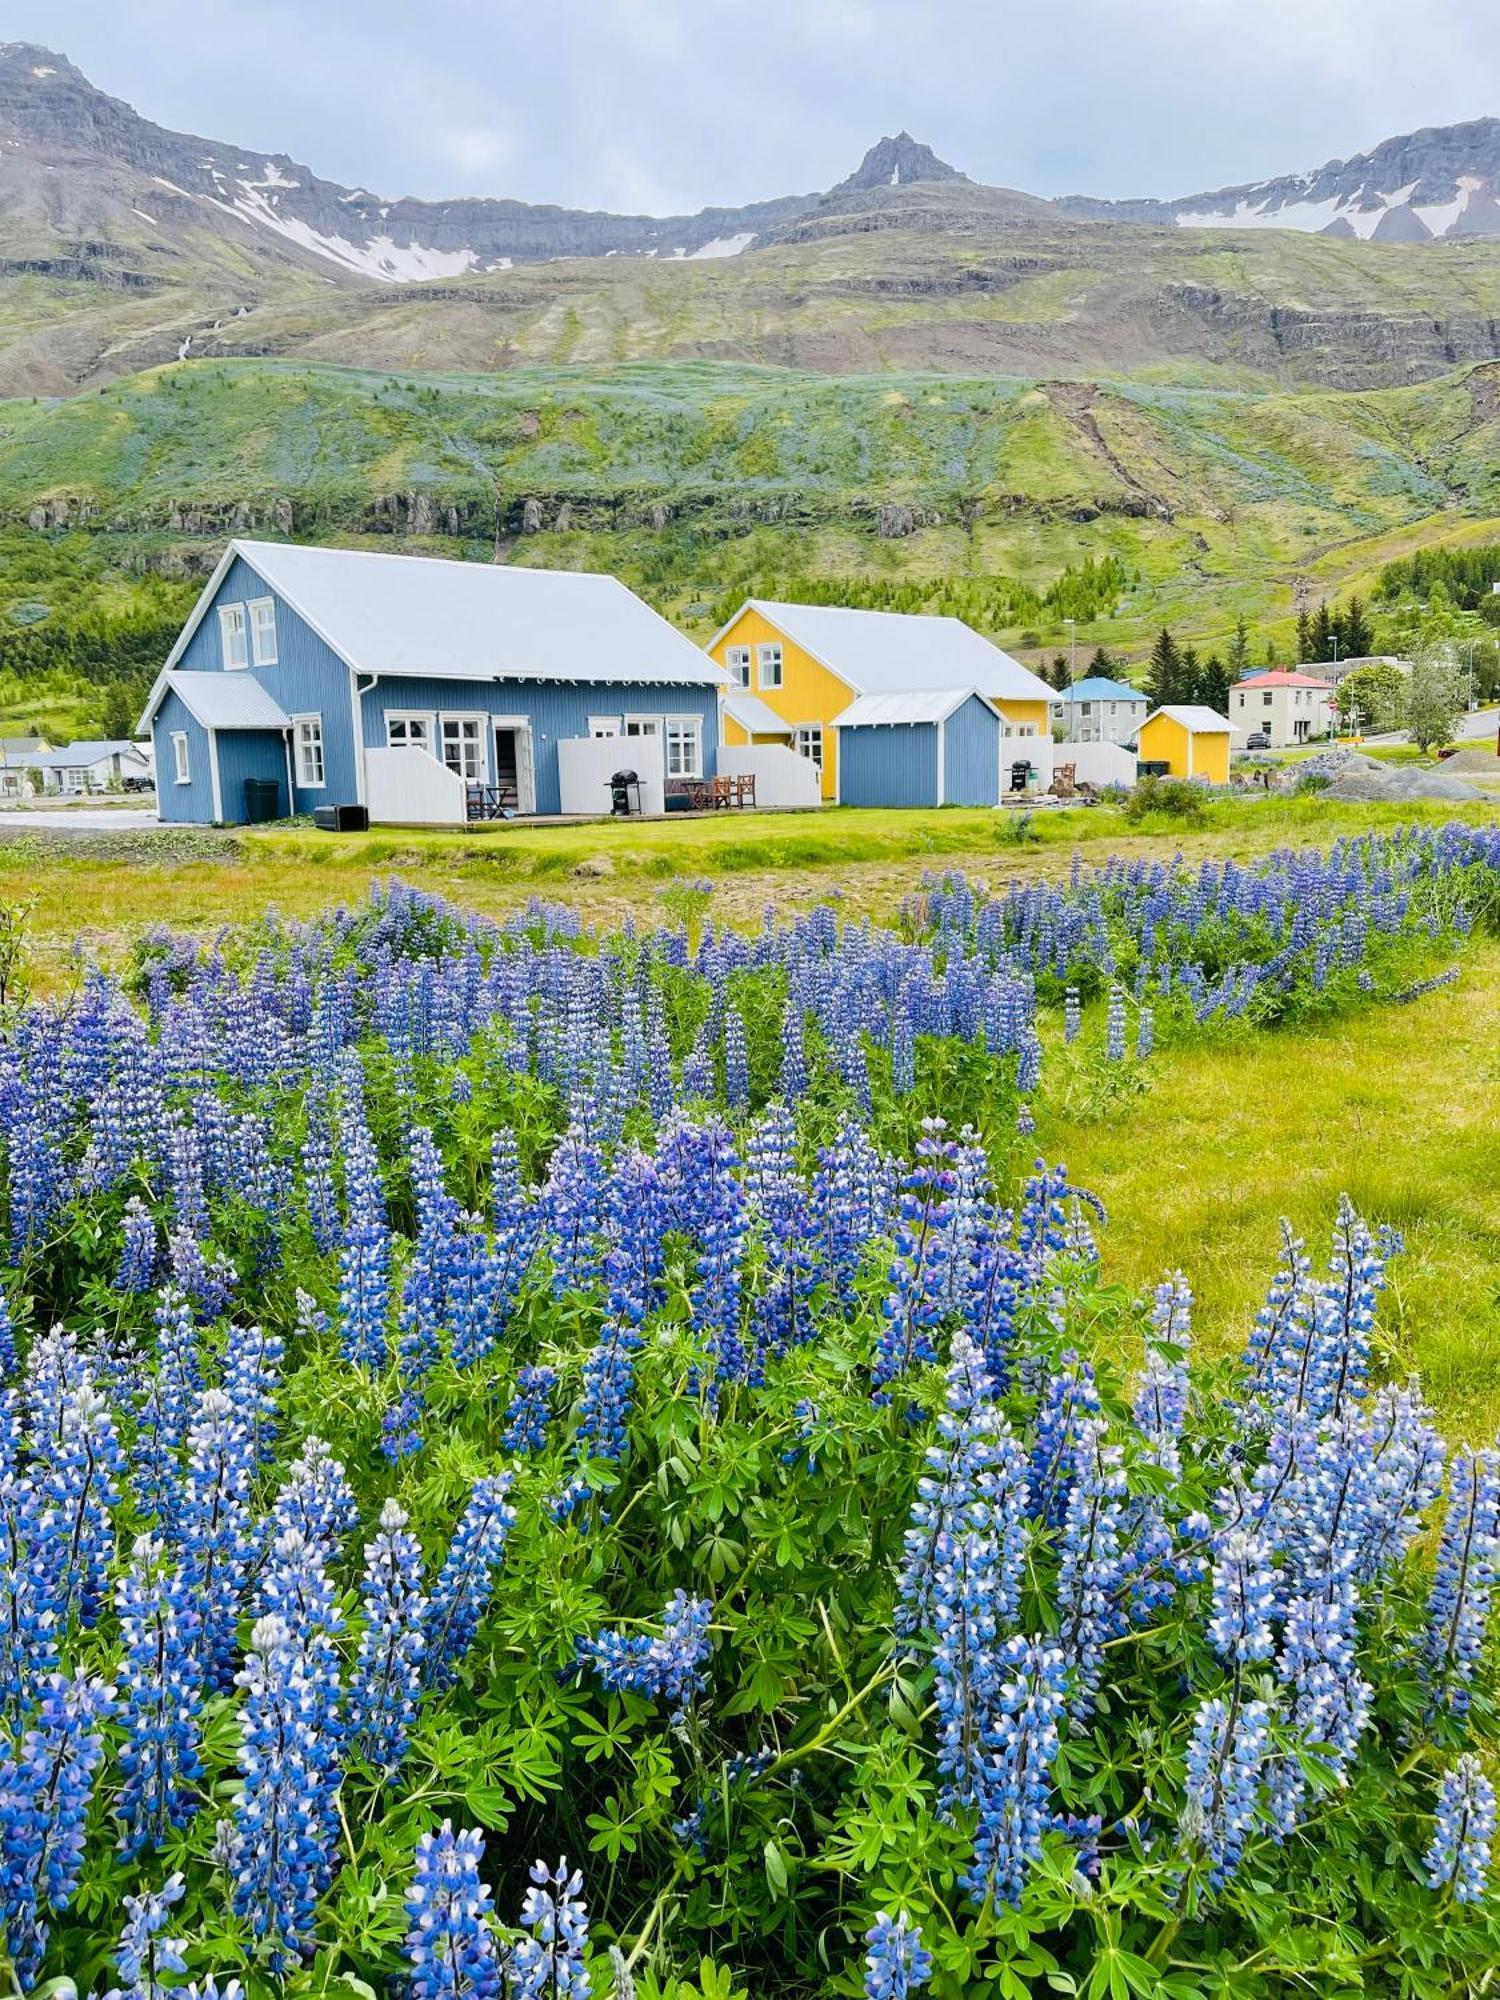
<point>810,742</point>
<point>1085,708</point>
<point>233,638</point>
<point>307,736</point>
<point>770,665</point>
<point>604,725</point>
<point>408,732</point>
<point>1266,700</point>
<point>642,725</point>
<point>462,738</point>
<point>263,631</point>
<point>181,768</point>
<point>683,745</point>
<point>737,665</point>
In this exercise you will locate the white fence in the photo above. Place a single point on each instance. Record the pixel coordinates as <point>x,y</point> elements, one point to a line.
<point>1034,750</point>
<point>1099,763</point>
<point>411,788</point>
<point>782,777</point>
<point>585,765</point>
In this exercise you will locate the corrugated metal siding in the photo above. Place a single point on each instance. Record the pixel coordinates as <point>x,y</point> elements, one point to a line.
<point>193,803</point>
<point>249,753</point>
<point>309,678</point>
<point>971,756</point>
<point>554,711</point>
<point>889,767</point>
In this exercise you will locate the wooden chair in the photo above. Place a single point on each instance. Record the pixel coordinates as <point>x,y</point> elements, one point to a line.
<point>744,789</point>
<point>1064,781</point>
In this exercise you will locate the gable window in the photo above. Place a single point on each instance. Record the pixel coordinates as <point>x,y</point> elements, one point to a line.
<point>770,666</point>
<point>181,769</point>
<point>233,644</point>
<point>263,631</point>
<point>463,746</point>
<point>737,665</point>
<point>683,743</point>
<point>810,742</point>
<point>409,732</point>
<point>309,742</point>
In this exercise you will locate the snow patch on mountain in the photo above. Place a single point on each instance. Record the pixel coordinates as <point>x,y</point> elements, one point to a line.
<point>724,246</point>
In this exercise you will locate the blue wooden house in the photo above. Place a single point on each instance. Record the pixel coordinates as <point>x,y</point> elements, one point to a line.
<point>424,690</point>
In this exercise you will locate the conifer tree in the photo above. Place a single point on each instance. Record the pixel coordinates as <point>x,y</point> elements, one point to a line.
<point>1164,677</point>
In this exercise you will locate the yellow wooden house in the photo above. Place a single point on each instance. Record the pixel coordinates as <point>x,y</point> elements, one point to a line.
<point>1192,742</point>
<point>797,668</point>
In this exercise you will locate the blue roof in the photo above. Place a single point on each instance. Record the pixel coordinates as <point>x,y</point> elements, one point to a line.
<point>1097,688</point>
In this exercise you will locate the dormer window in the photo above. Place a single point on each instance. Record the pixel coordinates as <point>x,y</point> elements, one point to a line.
<point>233,635</point>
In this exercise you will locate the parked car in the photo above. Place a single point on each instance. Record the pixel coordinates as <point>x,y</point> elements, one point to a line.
<point>1258,739</point>
<point>136,784</point>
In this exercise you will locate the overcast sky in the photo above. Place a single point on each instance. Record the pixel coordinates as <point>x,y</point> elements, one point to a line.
<point>670,105</point>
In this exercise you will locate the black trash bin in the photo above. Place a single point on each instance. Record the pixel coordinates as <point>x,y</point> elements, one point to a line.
<point>341,819</point>
<point>262,800</point>
<point>625,792</point>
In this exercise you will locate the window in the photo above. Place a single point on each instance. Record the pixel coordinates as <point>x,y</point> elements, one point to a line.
<point>409,732</point>
<point>309,741</point>
<point>684,746</point>
<point>810,742</point>
<point>463,746</point>
<point>180,766</point>
<point>1266,700</point>
<point>770,666</point>
<point>604,725</point>
<point>232,635</point>
<point>263,631</point>
<point>642,725</point>
<point>1085,708</point>
<point>737,665</point>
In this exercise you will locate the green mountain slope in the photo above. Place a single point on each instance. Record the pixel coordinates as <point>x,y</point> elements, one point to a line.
<point>699,480</point>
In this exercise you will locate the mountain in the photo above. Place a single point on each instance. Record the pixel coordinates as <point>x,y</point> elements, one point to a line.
<point>1439,183</point>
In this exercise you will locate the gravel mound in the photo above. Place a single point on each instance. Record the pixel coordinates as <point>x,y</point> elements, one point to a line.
<point>1480,758</point>
<point>1400,781</point>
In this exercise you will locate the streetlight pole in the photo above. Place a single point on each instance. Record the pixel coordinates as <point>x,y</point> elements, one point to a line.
<point>1072,625</point>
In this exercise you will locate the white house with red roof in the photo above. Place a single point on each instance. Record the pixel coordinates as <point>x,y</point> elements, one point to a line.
<point>1287,708</point>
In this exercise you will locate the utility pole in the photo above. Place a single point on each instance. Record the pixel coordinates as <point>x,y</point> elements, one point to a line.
<point>1072,625</point>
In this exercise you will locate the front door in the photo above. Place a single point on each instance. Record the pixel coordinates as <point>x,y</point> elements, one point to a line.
<point>514,775</point>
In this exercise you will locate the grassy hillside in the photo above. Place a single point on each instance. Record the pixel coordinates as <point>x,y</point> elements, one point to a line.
<point>701,480</point>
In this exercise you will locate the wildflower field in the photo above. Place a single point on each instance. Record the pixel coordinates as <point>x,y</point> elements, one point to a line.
<point>547,1463</point>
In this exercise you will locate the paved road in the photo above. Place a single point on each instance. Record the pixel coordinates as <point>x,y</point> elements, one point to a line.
<point>1471,728</point>
<point>79,819</point>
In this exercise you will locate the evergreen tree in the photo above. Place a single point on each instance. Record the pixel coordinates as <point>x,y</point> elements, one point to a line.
<point>1214,684</point>
<point>1164,678</point>
<point>1238,663</point>
<point>1304,636</point>
<point>1192,675</point>
<point>1355,631</point>
<point>1321,635</point>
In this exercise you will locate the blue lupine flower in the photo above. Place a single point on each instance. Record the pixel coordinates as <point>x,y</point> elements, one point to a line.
<point>608,1385</point>
<point>897,1963</point>
<point>1114,1029</point>
<point>1244,1595</point>
<point>1224,1760</point>
<point>46,1786</point>
<point>214,1524</point>
<point>365,1260</point>
<point>144,1954</point>
<point>252,1376</point>
<point>571,1205</point>
<point>462,1593</point>
<point>281,1842</point>
<point>401,1427</point>
<point>81,1486</point>
<point>1021,1740</point>
<point>917,1301</point>
<point>1071,1397</point>
<point>736,1062</point>
<point>161,1697</point>
<point>669,1667</point>
<point>316,1499</point>
<point>1089,1572</point>
<point>450,1946</point>
<point>136,1270</point>
<point>30,1601</point>
<point>1463,1584</point>
<point>527,1418</point>
<point>550,1964</point>
<point>388,1672</point>
<point>1464,1831</point>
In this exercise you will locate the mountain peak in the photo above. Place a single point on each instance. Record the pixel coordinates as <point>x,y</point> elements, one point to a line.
<point>895,163</point>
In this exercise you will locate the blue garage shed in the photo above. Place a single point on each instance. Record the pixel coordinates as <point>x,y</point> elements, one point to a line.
<point>929,747</point>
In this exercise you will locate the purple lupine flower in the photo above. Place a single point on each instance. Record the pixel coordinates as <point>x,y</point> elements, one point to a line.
<point>136,1270</point>
<point>916,1302</point>
<point>365,1260</point>
<point>214,1523</point>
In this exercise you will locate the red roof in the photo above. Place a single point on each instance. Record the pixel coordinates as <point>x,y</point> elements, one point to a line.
<point>1276,678</point>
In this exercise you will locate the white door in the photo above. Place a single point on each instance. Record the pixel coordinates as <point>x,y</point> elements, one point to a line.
<point>525,762</point>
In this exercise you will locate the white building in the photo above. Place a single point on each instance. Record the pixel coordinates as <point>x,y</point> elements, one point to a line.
<point>93,766</point>
<point>1287,708</point>
<point>1099,710</point>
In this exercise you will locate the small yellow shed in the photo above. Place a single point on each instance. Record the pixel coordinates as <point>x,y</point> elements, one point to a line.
<point>1192,742</point>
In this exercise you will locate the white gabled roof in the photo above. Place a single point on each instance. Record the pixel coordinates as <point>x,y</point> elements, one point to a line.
<point>895,652</point>
<point>869,711</point>
<point>222,701</point>
<point>1195,720</point>
<point>438,619</point>
<point>751,713</point>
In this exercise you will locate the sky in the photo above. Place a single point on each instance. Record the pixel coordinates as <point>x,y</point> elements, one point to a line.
<point>666,106</point>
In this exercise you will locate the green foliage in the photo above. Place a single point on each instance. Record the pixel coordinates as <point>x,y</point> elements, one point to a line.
<point>1167,798</point>
<point>1376,693</point>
